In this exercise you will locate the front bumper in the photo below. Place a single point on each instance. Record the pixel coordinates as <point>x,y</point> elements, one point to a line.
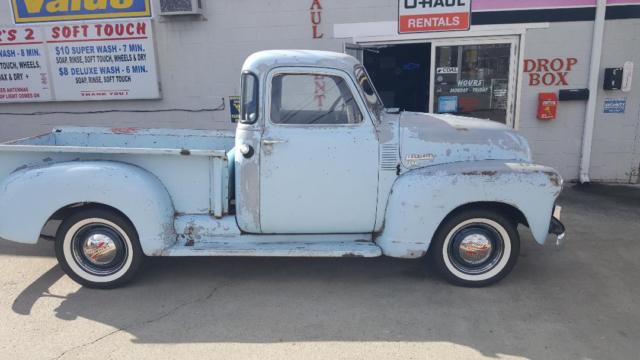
<point>556,227</point>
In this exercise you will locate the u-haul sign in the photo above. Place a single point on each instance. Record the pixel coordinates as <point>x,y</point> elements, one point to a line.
<point>433,15</point>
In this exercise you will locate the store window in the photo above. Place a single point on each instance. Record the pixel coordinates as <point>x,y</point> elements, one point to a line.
<point>473,80</point>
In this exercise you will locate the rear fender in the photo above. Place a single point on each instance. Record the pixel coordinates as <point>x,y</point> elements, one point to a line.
<point>30,196</point>
<point>421,199</point>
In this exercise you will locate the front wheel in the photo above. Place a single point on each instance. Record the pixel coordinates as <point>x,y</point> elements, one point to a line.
<point>98,248</point>
<point>476,248</point>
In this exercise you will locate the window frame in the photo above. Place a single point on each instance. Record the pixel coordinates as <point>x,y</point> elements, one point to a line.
<point>512,92</point>
<point>256,95</point>
<point>313,71</point>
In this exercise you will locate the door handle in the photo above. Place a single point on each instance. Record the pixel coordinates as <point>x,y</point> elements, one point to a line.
<point>273,141</point>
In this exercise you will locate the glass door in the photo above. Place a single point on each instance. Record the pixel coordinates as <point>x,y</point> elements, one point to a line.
<point>475,77</point>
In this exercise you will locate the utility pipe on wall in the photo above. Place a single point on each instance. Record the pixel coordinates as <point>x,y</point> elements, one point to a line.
<point>594,77</point>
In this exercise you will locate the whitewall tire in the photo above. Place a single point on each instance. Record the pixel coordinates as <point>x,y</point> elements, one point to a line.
<point>98,248</point>
<point>476,247</point>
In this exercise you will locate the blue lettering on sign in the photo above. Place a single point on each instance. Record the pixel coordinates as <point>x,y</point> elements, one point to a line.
<point>35,11</point>
<point>615,106</point>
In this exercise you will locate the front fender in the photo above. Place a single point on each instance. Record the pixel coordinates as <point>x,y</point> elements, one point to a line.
<point>29,197</point>
<point>421,199</point>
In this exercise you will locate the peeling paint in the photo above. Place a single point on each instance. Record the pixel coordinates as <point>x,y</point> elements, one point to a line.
<point>441,189</point>
<point>450,139</point>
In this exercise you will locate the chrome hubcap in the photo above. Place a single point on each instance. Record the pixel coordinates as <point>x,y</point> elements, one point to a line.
<point>475,249</point>
<point>99,249</point>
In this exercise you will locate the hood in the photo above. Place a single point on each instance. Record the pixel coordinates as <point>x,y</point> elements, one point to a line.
<point>430,139</point>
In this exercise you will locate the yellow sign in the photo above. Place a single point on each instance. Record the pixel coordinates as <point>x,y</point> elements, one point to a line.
<point>37,11</point>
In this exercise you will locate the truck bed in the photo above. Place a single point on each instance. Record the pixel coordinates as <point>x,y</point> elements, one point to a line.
<point>192,164</point>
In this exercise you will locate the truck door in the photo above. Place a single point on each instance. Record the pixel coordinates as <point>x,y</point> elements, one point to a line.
<point>319,155</point>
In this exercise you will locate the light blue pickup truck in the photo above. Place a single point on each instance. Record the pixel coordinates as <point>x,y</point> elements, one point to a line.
<point>317,168</point>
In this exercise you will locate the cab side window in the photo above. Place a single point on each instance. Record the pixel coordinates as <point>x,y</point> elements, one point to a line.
<point>306,99</point>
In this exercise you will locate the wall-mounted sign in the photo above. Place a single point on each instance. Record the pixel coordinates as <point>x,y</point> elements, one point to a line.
<point>90,61</point>
<point>615,106</point>
<point>38,11</point>
<point>103,61</point>
<point>433,15</point>
<point>23,66</point>
<point>549,72</point>
<point>234,107</point>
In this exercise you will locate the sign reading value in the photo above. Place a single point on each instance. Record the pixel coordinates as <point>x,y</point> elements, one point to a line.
<point>37,11</point>
<point>433,15</point>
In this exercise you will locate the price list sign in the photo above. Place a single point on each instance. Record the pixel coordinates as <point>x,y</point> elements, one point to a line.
<point>102,61</point>
<point>74,62</point>
<point>23,65</point>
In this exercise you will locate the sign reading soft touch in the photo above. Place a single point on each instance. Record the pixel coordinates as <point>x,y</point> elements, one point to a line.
<point>102,61</point>
<point>37,11</point>
<point>433,15</point>
<point>106,60</point>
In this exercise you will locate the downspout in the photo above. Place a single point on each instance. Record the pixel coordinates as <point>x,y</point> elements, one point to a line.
<point>594,77</point>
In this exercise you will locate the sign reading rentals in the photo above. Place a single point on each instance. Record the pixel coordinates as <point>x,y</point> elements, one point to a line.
<point>37,11</point>
<point>433,15</point>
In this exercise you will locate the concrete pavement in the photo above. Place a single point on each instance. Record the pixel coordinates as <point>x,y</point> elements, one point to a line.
<point>580,302</point>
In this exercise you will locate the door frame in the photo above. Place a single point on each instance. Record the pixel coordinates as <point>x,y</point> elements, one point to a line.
<point>385,33</point>
<point>513,67</point>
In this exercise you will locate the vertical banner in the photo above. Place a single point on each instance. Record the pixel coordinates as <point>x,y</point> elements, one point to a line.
<point>23,65</point>
<point>103,61</point>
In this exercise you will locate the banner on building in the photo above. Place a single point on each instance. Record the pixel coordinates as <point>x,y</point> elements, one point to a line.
<point>38,11</point>
<point>433,15</point>
<point>73,62</point>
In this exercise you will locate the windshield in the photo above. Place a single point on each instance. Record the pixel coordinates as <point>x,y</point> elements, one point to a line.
<point>370,94</point>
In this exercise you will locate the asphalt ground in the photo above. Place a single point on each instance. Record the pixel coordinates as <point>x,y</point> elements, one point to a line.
<point>577,302</point>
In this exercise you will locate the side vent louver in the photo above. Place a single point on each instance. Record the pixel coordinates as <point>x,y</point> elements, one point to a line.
<point>389,154</point>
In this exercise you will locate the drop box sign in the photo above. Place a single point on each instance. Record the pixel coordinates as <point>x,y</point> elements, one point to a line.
<point>415,16</point>
<point>39,11</point>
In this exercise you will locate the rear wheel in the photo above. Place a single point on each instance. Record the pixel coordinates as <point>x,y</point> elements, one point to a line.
<point>98,248</point>
<point>476,248</point>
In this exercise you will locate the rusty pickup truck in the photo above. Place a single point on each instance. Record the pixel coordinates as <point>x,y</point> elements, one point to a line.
<point>335,175</point>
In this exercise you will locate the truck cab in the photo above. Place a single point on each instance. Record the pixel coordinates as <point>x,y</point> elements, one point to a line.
<point>318,168</point>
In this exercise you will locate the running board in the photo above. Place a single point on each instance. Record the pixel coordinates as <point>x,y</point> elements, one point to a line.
<point>278,249</point>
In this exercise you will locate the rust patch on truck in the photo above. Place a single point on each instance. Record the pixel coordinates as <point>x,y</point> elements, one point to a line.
<point>128,130</point>
<point>554,178</point>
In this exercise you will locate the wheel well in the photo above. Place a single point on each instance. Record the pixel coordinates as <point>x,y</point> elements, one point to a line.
<point>50,228</point>
<point>507,210</point>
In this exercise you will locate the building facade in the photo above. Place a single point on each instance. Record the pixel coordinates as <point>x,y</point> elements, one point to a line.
<point>188,74</point>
